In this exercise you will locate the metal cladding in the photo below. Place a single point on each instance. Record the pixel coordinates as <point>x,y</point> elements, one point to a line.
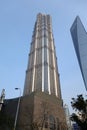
<point>42,71</point>
<point>79,37</point>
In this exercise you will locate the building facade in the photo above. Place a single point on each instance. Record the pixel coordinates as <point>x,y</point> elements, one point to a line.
<point>75,126</point>
<point>68,121</point>
<point>79,37</point>
<point>42,70</point>
<point>41,111</point>
<point>41,106</point>
<point>37,111</point>
<point>42,79</point>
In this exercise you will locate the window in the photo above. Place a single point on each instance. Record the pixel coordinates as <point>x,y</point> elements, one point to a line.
<point>57,121</point>
<point>46,123</point>
<point>51,122</point>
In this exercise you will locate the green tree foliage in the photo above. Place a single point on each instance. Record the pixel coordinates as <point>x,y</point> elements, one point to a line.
<point>79,104</point>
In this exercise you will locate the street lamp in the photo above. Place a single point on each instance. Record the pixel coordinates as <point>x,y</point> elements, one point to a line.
<point>17,108</point>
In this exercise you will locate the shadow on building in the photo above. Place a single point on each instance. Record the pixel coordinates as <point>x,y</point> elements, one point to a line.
<point>37,111</point>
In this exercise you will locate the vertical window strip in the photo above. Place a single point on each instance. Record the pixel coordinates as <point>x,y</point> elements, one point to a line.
<point>42,64</point>
<point>49,90</point>
<point>48,68</point>
<point>54,68</point>
<point>34,62</point>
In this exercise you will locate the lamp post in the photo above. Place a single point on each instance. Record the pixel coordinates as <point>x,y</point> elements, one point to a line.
<point>17,108</point>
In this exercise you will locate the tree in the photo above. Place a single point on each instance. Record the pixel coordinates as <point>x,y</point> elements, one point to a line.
<point>40,120</point>
<point>79,104</point>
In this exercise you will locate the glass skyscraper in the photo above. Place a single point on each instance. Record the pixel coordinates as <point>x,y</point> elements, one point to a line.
<point>42,71</point>
<point>79,37</point>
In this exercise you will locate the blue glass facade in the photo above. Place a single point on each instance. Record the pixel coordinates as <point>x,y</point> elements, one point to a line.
<point>79,37</point>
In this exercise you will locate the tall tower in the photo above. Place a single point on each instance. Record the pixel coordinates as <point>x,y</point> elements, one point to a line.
<point>41,106</point>
<point>79,37</point>
<point>42,71</point>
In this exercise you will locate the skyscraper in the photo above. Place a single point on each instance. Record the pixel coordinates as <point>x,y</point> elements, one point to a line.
<point>41,106</point>
<point>42,71</point>
<point>79,37</point>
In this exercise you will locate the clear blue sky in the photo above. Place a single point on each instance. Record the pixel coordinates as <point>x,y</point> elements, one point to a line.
<point>17,18</point>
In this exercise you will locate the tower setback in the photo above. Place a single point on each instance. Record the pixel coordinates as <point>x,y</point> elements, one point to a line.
<point>42,71</point>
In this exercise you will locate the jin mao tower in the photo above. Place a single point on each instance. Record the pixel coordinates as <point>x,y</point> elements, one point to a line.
<point>41,106</point>
<point>42,71</point>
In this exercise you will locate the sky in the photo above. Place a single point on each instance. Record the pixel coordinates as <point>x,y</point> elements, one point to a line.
<point>17,19</point>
